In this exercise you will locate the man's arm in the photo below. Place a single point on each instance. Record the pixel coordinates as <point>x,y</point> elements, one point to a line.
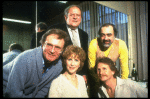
<point>92,53</point>
<point>16,79</point>
<point>123,52</point>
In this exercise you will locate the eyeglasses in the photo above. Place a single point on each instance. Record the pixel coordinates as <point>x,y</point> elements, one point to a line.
<point>53,47</point>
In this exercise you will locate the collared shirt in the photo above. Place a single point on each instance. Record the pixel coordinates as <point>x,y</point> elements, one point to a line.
<point>77,33</point>
<point>46,68</point>
<point>127,88</point>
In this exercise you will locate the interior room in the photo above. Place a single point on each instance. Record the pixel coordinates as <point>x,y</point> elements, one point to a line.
<point>129,17</point>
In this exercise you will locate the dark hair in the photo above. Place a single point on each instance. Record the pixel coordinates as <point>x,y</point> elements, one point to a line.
<point>42,25</point>
<point>67,9</point>
<point>109,62</point>
<point>78,51</point>
<point>106,25</point>
<point>16,46</point>
<point>61,35</point>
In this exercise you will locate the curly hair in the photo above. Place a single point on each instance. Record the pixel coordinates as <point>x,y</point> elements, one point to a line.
<point>70,50</point>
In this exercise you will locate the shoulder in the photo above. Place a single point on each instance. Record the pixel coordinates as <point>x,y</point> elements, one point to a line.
<point>121,42</point>
<point>57,80</point>
<point>80,77</point>
<point>83,32</point>
<point>29,55</point>
<point>93,42</point>
<point>126,82</point>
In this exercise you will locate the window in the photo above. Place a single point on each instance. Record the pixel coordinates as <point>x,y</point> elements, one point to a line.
<point>94,15</point>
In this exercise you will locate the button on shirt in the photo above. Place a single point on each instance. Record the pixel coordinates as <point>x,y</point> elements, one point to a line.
<point>77,33</point>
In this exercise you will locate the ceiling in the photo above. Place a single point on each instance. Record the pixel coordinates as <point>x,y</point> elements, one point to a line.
<point>26,10</point>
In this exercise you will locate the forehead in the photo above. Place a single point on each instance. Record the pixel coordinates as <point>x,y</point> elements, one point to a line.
<point>100,65</point>
<point>73,55</point>
<point>74,9</point>
<point>53,38</point>
<point>107,29</point>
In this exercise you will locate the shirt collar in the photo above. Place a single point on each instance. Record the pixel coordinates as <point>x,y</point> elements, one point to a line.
<point>119,82</point>
<point>71,29</point>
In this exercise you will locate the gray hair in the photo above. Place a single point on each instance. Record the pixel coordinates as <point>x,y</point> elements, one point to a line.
<point>67,9</point>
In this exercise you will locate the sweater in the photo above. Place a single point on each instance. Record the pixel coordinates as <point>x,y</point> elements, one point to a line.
<point>23,77</point>
<point>61,87</point>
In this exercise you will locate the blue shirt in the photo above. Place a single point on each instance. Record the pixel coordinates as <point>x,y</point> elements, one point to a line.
<point>45,68</point>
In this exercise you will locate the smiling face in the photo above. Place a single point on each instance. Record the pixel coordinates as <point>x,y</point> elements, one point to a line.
<point>104,72</point>
<point>107,36</point>
<point>72,64</point>
<point>74,17</point>
<point>52,47</point>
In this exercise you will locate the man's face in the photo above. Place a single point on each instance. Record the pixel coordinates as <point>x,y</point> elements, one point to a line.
<point>104,72</point>
<point>107,36</point>
<point>52,47</point>
<point>73,19</point>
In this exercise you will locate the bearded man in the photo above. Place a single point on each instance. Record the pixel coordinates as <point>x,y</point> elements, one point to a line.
<point>107,45</point>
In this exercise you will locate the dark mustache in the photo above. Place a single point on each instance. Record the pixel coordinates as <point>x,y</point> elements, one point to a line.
<point>100,75</point>
<point>106,41</point>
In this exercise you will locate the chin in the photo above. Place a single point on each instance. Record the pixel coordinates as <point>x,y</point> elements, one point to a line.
<point>107,45</point>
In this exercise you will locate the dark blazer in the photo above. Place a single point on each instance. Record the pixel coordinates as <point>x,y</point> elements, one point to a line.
<point>23,76</point>
<point>83,40</point>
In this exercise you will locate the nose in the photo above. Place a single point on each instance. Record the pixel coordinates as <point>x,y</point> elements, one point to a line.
<point>106,38</point>
<point>75,16</point>
<point>99,72</point>
<point>72,63</point>
<point>53,49</point>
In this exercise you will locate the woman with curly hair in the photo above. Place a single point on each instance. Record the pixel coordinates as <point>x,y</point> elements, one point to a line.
<point>69,84</point>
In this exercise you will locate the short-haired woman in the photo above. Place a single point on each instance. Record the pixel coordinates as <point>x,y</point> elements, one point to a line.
<point>69,84</point>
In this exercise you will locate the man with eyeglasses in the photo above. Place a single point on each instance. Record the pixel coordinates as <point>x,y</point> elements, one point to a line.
<point>32,72</point>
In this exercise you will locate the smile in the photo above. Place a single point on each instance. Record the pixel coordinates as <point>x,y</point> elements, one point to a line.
<point>72,68</point>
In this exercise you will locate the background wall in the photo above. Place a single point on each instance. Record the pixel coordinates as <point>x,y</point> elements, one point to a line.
<point>16,33</point>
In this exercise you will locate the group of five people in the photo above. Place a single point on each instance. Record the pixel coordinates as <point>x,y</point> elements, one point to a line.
<point>54,69</point>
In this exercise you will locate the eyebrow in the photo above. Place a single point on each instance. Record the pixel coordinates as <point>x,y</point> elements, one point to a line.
<point>106,34</point>
<point>53,45</point>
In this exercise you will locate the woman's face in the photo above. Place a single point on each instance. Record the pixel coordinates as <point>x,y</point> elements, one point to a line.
<point>72,63</point>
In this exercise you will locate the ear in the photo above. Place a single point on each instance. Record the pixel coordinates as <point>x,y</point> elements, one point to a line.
<point>113,72</point>
<point>65,17</point>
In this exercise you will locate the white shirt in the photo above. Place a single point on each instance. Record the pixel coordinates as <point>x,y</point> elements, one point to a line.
<point>77,34</point>
<point>127,88</point>
<point>61,87</point>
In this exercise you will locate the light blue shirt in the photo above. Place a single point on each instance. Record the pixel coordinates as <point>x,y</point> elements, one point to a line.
<point>126,88</point>
<point>9,56</point>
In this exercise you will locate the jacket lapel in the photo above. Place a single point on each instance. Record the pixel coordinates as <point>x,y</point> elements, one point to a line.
<point>81,37</point>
